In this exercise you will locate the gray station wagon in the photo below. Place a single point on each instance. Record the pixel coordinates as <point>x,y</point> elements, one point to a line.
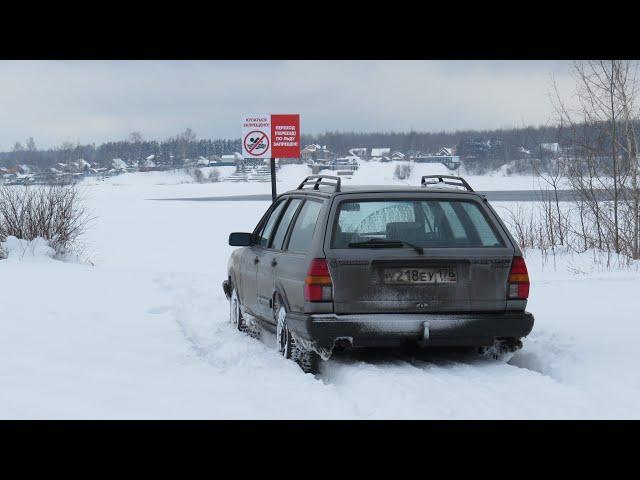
<point>331,267</point>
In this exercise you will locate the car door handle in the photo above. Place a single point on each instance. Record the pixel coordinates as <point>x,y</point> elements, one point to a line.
<point>256,260</point>
<point>274,262</point>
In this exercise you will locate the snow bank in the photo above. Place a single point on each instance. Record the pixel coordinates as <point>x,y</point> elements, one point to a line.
<point>17,249</point>
<point>166,177</point>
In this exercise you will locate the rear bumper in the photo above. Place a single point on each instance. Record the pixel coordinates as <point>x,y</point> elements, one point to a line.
<point>376,330</point>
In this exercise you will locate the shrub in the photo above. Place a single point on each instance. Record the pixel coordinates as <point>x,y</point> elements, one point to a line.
<point>214,176</point>
<point>199,176</point>
<point>55,213</point>
<point>403,171</point>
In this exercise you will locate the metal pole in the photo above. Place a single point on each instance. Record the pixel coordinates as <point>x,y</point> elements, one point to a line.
<point>272,161</point>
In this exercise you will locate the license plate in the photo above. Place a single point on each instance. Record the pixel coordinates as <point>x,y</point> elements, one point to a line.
<point>402,276</point>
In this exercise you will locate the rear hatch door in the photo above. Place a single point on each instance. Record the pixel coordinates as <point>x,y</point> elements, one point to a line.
<point>462,277</point>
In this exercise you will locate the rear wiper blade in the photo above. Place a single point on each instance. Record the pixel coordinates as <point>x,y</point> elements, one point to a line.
<point>381,242</point>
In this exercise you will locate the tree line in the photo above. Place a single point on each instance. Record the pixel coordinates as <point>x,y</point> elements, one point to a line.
<point>134,148</point>
<point>481,150</point>
<point>187,145</point>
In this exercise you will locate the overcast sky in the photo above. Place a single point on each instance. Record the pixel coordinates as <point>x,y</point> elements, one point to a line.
<point>96,101</point>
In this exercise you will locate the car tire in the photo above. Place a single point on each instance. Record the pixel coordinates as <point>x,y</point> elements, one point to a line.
<point>284,339</point>
<point>235,311</point>
<point>308,360</point>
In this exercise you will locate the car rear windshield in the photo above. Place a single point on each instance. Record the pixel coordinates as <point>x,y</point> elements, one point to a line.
<point>423,223</point>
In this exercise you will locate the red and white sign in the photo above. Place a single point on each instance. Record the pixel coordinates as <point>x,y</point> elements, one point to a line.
<point>285,135</point>
<point>267,136</point>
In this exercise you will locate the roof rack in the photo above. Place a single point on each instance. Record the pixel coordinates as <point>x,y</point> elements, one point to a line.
<point>317,180</point>
<point>442,179</point>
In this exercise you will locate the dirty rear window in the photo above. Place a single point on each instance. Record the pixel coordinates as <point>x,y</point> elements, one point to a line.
<point>425,223</point>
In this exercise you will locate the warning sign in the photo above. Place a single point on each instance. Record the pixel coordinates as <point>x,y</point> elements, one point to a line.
<point>256,143</point>
<point>271,136</point>
<point>256,136</point>
<point>285,135</point>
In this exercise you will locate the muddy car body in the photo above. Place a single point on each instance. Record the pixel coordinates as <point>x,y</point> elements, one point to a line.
<point>378,266</point>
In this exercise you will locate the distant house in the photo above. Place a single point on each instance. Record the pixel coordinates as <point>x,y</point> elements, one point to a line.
<point>398,156</point>
<point>444,156</point>
<point>380,152</point>
<point>308,152</point>
<point>550,147</point>
<point>148,162</point>
<point>81,165</point>
<point>7,176</point>
<point>475,148</point>
<point>189,162</point>
<point>315,152</point>
<point>231,158</point>
<point>118,164</point>
<point>359,152</point>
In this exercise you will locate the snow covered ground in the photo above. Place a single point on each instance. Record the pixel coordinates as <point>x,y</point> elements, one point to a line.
<point>144,332</point>
<point>290,176</point>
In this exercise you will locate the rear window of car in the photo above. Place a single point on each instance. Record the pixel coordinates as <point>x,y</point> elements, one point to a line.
<point>421,222</point>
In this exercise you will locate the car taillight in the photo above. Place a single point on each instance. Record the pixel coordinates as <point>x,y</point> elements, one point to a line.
<point>518,279</point>
<point>317,283</point>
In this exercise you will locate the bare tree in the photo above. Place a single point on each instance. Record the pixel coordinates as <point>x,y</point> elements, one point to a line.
<point>31,145</point>
<point>135,137</point>
<point>601,154</point>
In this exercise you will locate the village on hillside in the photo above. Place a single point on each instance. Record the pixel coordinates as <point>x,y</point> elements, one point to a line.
<point>317,157</point>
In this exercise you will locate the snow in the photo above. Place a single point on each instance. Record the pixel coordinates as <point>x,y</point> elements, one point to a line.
<point>82,163</point>
<point>380,152</point>
<point>118,164</point>
<point>17,249</point>
<point>144,333</point>
<point>289,177</point>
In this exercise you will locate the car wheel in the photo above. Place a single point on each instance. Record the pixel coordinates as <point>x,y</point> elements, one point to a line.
<point>235,312</point>
<point>283,335</point>
<point>308,360</point>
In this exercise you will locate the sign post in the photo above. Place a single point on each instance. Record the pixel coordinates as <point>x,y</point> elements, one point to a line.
<point>271,136</point>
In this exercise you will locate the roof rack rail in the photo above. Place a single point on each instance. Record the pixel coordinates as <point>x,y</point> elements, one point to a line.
<point>317,180</point>
<point>455,181</point>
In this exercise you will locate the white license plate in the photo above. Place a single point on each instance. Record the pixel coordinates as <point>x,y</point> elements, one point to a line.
<point>401,276</point>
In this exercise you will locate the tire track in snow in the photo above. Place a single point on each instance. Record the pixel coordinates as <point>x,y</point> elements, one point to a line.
<point>387,384</point>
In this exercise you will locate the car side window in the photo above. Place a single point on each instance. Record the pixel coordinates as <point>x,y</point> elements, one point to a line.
<point>303,229</point>
<point>265,233</point>
<point>285,221</point>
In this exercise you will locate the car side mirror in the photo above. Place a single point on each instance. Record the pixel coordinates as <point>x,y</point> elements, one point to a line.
<point>240,239</point>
